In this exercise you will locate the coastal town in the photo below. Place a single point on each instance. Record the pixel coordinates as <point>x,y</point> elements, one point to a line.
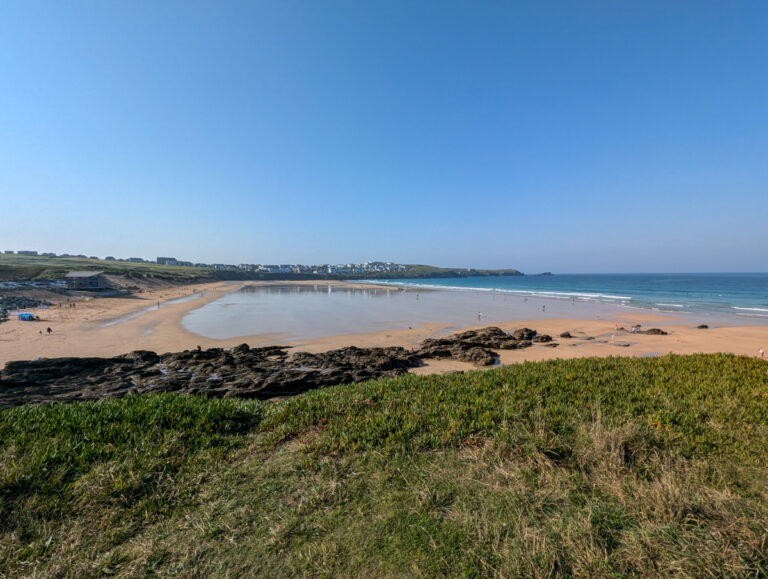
<point>319,269</point>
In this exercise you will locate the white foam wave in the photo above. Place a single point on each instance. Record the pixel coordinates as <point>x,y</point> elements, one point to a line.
<point>671,305</point>
<point>522,292</point>
<point>750,309</point>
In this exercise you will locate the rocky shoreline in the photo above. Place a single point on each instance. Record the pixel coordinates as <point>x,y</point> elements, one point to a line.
<point>244,372</point>
<point>240,372</point>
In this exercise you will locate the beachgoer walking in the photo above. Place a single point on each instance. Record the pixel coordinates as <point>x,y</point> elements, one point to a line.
<point>543,308</point>
<point>49,330</point>
<point>761,353</point>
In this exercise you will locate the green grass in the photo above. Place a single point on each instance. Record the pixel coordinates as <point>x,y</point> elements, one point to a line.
<point>582,467</point>
<point>36,268</point>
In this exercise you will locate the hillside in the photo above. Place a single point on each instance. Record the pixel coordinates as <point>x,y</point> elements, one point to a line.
<point>41,268</point>
<point>582,467</point>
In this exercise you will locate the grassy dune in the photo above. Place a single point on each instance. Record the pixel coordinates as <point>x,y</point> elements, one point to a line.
<point>578,467</point>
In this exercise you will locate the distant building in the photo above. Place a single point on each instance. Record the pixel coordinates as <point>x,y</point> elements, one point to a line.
<point>133,259</point>
<point>167,261</point>
<point>9,252</point>
<point>86,280</point>
<point>26,253</point>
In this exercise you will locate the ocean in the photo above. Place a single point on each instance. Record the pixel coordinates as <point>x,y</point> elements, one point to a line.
<point>284,312</point>
<point>739,294</point>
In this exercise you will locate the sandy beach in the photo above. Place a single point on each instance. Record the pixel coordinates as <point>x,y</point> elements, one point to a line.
<point>113,326</point>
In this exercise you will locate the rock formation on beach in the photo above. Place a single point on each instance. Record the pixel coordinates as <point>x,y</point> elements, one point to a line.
<point>242,372</point>
<point>476,345</point>
<point>245,372</point>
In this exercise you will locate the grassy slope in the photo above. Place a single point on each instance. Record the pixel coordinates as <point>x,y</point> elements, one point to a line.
<point>594,466</point>
<point>22,268</point>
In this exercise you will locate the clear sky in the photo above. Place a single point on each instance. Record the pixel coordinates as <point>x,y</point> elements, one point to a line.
<point>589,136</point>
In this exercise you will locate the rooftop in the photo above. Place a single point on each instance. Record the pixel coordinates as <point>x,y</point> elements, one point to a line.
<point>83,273</point>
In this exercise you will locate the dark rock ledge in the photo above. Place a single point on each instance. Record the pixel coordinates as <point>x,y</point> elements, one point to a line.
<point>241,372</point>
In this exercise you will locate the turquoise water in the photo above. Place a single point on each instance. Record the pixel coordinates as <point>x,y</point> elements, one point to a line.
<point>743,294</point>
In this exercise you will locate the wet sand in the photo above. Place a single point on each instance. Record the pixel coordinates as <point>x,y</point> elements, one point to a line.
<point>89,328</point>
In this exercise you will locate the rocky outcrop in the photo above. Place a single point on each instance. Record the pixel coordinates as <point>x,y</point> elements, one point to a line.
<point>476,346</point>
<point>242,372</point>
<point>653,332</point>
<point>524,334</point>
<point>566,335</point>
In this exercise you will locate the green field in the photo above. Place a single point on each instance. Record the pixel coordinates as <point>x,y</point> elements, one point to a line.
<point>41,268</point>
<point>581,467</point>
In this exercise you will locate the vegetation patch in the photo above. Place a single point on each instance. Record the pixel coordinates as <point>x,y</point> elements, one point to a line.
<point>578,467</point>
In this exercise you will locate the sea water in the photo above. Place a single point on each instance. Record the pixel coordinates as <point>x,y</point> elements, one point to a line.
<point>738,294</point>
<point>288,312</point>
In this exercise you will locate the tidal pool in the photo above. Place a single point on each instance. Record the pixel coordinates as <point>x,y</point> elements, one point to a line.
<point>301,312</point>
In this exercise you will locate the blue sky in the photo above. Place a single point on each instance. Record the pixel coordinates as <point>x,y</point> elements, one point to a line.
<point>605,136</point>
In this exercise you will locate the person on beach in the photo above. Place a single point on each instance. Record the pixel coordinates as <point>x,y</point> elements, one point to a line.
<point>49,330</point>
<point>543,308</point>
<point>761,353</point>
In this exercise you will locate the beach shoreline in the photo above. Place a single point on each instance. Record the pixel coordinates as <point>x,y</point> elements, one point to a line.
<point>90,329</point>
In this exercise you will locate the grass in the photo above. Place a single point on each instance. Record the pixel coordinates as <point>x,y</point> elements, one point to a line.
<point>15,267</point>
<point>581,467</point>
<point>42,268</point>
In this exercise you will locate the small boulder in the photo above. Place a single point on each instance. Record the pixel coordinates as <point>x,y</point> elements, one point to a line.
<point>654,332</point>
<point>524,334</point>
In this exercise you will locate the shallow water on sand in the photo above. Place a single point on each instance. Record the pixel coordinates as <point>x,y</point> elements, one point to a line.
<point>301,312</point>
